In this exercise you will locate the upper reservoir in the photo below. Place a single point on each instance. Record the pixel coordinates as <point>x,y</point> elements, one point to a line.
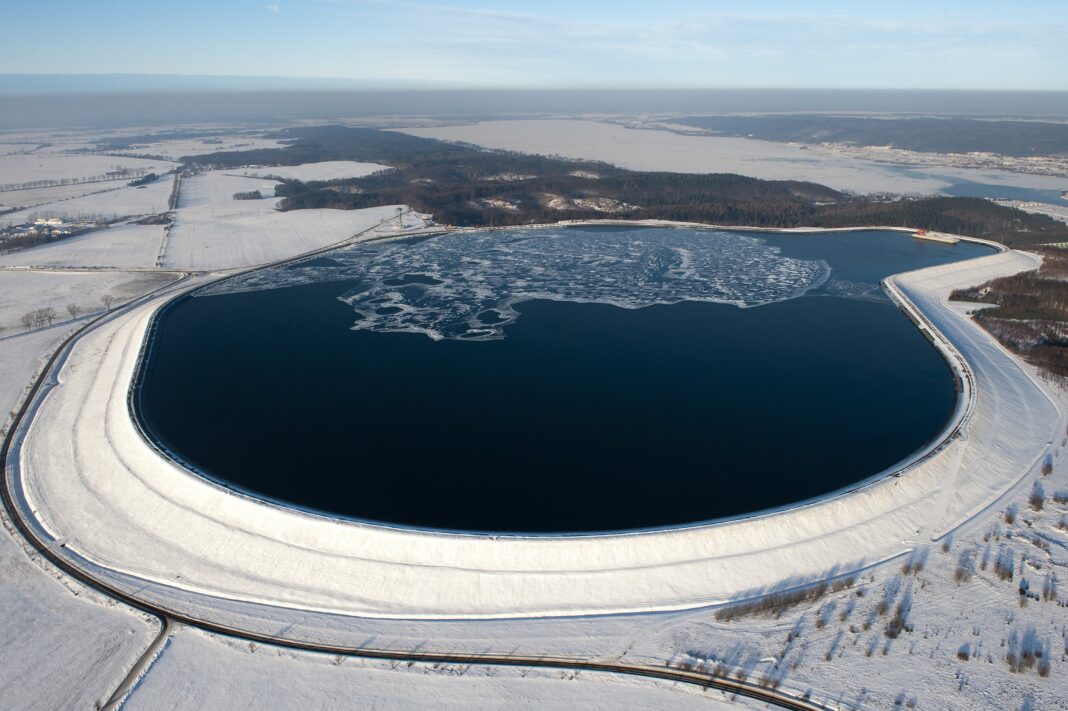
<point>554,380</point>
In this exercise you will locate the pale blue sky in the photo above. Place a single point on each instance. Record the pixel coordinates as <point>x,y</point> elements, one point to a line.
<point>555,43</point>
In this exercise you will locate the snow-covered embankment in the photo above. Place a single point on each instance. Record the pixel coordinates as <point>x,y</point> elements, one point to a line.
<point>149,525</point>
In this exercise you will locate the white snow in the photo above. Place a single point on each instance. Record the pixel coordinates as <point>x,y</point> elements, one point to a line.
<point>659,150</point>
<point>1057,212</point>
<point>83,461</point>
<point>177,148</point>
<point>32,197</point>
<point>276,572</point>
<point>199,671</point>
<point>245,563</point>
<point>324,170</point>
<point>214,231</point>
<point>62,646</point>
<point>127,201</point>
<point>961,626</point>
<point>23,291</point>
<point>117,247</point>
<point>22,168</point>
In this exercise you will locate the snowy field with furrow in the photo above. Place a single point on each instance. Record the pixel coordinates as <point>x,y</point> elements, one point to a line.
<point>127,201</point>
<point>212,230</point>
<point>116,247</point>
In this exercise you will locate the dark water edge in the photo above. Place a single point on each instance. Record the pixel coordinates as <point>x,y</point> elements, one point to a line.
<point>586,417</point>
<point>959,187</point>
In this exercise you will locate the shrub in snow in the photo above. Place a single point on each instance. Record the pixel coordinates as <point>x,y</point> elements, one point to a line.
<point>1049,587</point>
<point>1038,497</point>
<point>1025,651</point>
<point>915,562</point>
<point>965,567</point>
<point>898,623</point>
<point>776,603</point>
<point>1004,563</point>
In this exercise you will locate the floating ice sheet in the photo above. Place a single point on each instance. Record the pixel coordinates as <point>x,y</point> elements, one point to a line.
<point>466,285</point>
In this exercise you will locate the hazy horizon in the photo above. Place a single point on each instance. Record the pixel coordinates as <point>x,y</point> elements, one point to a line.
<point>284,60</point>
<point>112,109</point>
<point>74,83</point>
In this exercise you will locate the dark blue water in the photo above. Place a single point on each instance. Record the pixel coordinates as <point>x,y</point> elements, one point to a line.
<point>970,188</point>
<point>585,417</point>
<point>985,190</point>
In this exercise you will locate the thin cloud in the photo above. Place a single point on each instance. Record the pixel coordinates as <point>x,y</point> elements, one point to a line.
<point>273,7</point>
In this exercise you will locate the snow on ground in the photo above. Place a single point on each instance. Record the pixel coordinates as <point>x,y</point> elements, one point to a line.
<point>61,646</point>
<point>177,148</point>
<point>200,671</point>
<point>954,655</point>
<point>117,247</point>
<point>84,461</point>
<point>212,230</point>
<point>997,588</point>
<point>650,149</point>
<point>21,356</point>
<point>325,170</point>
<point>23,168</point>
<point>23,291</point>
<point>125,202</point>
<point>1057,212</point>
<point>39,196</point>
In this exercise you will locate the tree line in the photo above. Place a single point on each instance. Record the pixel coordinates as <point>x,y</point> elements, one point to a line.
<point>40,318</point>
<point>119,173</point>
<point>454,181</point>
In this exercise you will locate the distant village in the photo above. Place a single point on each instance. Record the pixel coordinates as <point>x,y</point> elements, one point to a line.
<point>44,229</point>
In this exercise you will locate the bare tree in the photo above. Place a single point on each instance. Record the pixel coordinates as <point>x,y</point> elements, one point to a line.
<point>74,310</point>
<point>48,314</point>
<point>107,300</point>
<point>28,320</point>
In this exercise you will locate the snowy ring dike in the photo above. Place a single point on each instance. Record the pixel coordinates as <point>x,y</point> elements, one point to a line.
<point>86,479</point>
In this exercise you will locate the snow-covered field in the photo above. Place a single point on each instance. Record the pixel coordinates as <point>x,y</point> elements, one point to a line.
<point>199,671</point>
<point>62,647</point>
<point>214,231</point>
<point>177,148</point>
<point>38,196</point>
<point>1057,212</point>
<point>125,202</point>
<point>325,170</point>
<point>21,355</point>
<point>23,168</point>
<point>117,247</point>
<point>650,149</point>
<point>23,291</point>
<point>53,628</point>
